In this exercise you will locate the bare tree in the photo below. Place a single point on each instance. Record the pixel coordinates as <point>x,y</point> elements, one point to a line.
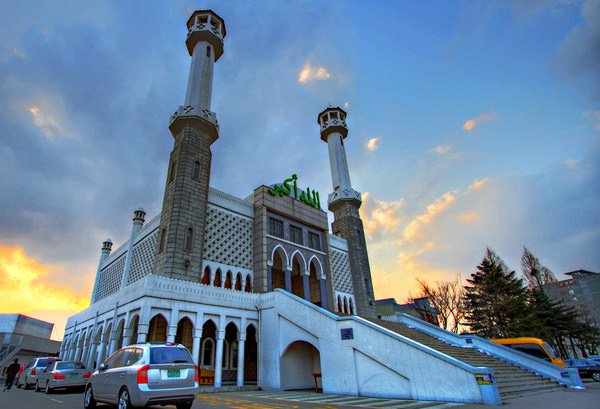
<point>534,272</point>
<point>447,298</point>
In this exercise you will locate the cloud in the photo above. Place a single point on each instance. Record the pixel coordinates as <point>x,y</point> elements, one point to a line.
<point>29,286</point>
<point>379,216</point>
<point>415,227</point>
<point>578,55</point>
<point>478,184</point>
<point>442,149</point>
<point>48,123</point>
<point>470,124</point>
<point>309,73</point>
<point>595,115</point>
<point>373,144</point>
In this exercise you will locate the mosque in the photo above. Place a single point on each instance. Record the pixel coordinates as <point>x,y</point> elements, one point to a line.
<point>258,288</point>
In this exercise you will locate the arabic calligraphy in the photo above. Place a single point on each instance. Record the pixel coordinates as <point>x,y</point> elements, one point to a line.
<point>289,187</point>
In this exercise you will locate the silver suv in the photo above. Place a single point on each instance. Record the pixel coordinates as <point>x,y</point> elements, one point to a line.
<point>29,376</point>
<point>144,374</point>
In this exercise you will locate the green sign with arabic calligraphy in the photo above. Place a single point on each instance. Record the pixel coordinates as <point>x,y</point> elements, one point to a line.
<point>289,187</point>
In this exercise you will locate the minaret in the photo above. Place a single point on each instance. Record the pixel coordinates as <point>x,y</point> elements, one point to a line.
<point>104,253</point>
<point>138,222</point>
<point>344,202</point>
<point>194,128</point>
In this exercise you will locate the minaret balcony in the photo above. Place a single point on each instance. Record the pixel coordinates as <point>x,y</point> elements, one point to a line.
<point>344,194</point>
<point>199,117</point>
<point>206,25</point>
<point>332,120</point>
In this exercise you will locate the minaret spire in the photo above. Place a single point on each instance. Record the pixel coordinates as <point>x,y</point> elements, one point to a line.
<point>344,202</point>
<point>194,127</point>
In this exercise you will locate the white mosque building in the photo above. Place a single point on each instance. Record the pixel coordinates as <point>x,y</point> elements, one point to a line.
<point>258,288</point>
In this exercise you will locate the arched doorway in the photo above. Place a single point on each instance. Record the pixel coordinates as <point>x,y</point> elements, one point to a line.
<point>297,272</point>
<point>230,352</point>
<point>208,345</point>
<point>185,335</point>
<point>250,355</point>
<point>157,331</point>
<point>277,271</point>
<point>120,328</point>
<point>134,330</point>
<point>313,283</point>
<point>298,364</point>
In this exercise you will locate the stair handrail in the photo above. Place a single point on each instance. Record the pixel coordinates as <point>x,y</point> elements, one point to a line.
<point>565,376</point>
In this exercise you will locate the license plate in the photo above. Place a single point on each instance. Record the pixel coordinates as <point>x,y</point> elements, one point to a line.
<point>173,373</point>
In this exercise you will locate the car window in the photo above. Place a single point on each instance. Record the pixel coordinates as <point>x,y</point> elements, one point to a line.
<point>531,349</point>
<point>44,362</point>
<point>167,355</point>
<point>112,361</point>
<point>130,356</point>
<point>69,365</point>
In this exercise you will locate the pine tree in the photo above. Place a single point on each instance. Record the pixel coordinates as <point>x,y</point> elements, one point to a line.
<point>495,300</point>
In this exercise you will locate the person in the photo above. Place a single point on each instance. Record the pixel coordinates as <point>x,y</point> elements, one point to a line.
<point>21,369</point>
<point>11,372</point>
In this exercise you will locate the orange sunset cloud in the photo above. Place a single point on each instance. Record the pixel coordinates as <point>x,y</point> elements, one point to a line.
<point>26,288</point>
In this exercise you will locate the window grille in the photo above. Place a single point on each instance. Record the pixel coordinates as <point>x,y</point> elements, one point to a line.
<point>276,227</point>
<point>296,234</point>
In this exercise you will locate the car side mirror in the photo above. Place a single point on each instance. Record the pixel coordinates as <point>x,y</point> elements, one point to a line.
<point>103,367</point>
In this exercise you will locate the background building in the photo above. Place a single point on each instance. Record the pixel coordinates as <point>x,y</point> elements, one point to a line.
<point>24,338</point>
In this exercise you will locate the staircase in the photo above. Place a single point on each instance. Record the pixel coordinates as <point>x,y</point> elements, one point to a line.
<point>512,380</point>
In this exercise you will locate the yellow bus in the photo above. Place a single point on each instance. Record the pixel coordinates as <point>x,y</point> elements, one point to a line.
<point>532,346</point>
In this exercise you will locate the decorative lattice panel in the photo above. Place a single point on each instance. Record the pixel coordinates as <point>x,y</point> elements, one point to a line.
<point>110,279</point>
<point>342,280</point>
<point>228,238</point>
<point>143,257</point>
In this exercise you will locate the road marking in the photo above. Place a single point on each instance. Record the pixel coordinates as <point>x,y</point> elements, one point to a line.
<point>56,400</point>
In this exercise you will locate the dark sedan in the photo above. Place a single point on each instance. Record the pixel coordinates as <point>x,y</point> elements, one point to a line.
<point>586,367</point>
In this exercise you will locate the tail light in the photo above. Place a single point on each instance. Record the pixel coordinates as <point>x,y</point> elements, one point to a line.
<point>196,375</point>
<point>86,375</point>
<point>33,371</point>
<point>142,374</point>
<point>58,376</point>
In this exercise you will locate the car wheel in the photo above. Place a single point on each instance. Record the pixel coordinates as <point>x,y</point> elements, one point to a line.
<point>88,398</point>
<point>187,405</point>
<point>47,389</point>
<point>124,402</point>
<point>596,376</point>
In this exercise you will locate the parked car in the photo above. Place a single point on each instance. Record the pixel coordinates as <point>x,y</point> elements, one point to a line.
<point>587,368</point>
<point>144,374</point>
<point>62,374</point>
<point>29,376</point>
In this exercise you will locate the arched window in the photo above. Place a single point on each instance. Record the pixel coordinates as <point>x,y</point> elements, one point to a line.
<point>248,287</point>
<point>228,280</point>
<point>233,360</point>
<point>196,170</point>
<point>217,282</point>
<point>208,50</point>
<point>206,277</point>
<point>225,354</point>
<point>350,306</point>
<point>207,354</point>
<point>189,239</point>
<point>339,303</point>
<point>161,245</point>
<point>238,282</point>
<point>345,306</point>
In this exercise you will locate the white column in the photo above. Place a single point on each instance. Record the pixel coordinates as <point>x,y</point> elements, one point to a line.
<point>219,357</point>
<point>196,345</point>
<point>241,353</point>
<point>172,328</point>
<point>101,349</point>
<point>92,354</point>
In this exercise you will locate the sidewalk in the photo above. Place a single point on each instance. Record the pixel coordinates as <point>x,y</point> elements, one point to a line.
<point>589,398</point>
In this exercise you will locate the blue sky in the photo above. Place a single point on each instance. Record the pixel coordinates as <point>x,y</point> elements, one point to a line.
<point>472,124</point>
